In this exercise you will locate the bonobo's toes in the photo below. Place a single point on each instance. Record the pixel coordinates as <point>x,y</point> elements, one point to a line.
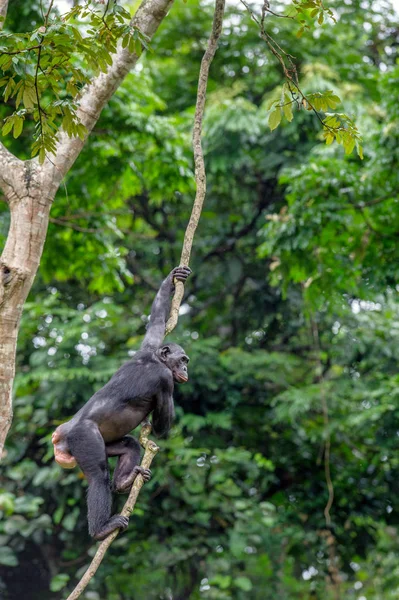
<point>115,522</point>
<point>124,522</point>
<point>146,473</point>
<point>123,486</point>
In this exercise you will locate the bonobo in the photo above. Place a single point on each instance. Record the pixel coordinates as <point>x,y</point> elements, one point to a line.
<point>142,386</point>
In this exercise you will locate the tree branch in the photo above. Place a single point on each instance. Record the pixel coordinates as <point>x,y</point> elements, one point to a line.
<point>150,451</point>
<point>200,175</point>
<point>96,95</point>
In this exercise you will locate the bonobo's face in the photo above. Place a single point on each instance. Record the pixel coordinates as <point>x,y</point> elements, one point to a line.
<point>176,360</point>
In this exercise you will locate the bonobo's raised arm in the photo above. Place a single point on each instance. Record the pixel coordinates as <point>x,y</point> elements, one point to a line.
<point>160,309</point>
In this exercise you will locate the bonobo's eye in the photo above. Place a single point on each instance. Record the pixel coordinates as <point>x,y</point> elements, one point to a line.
<point>185,360</point>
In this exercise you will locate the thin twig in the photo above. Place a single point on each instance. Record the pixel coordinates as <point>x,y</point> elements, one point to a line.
<point>150,451</point>
<point>65,223</point>
<point>20,51</point>
<point>199,171</point>
<point>103,18</point>
<point>46,16</point>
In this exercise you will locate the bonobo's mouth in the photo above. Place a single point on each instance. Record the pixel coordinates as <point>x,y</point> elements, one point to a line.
<point>180,378</point>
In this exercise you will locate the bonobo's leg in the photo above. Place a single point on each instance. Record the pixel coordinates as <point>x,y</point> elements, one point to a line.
<point>127,467</point>
<point>87,446</point>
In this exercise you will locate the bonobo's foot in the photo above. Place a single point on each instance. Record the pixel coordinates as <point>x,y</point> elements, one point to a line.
<point>146,473</point>
<point>115,522</point>
<point>122,486</point>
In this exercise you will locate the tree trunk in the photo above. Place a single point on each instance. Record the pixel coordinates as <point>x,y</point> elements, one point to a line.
<point>29,212</point>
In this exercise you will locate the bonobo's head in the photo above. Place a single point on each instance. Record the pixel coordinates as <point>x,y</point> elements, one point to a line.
<point>174,357</point>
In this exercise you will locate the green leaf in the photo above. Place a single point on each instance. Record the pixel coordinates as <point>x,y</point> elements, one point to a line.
<point>7,557</point>
<point>18,66</point>
<point>58,514</point>
<point>287,109</point>
<point>222,581</point>
<point>243,583</point>
<point>275,118</point>
<point>18,125</point>
<point>20,94</point>
<point>349,145</point>
<point>9,88</point>
<point>132,45</point>
<point>8,125</point>
<point>335,98</point>
<point>81,131</point>
<point>7,502</point>
<point>42,155</point>
<point>329,138</point>
<point>138,48</point>
<point>29,97</point>
<point>58,582</point>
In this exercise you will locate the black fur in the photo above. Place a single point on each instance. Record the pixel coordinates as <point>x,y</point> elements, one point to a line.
<point>142,386</point>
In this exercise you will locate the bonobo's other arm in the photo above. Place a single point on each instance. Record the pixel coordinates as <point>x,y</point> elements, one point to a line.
<point>160,309</point>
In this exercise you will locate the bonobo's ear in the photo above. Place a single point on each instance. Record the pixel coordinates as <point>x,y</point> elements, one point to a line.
<point>165,350</point>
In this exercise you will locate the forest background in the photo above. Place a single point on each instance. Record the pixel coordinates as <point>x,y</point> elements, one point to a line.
<point>290,320</point>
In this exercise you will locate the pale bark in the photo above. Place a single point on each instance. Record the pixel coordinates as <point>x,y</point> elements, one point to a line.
<point>3,10</point>
<point>29,189</point>
<point>29,210</point>
<point>10,171</point>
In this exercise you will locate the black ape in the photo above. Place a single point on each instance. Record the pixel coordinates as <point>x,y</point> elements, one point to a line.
<point>141,386</point>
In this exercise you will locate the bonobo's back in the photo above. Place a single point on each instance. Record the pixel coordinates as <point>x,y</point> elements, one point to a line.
<point>139,378</point>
